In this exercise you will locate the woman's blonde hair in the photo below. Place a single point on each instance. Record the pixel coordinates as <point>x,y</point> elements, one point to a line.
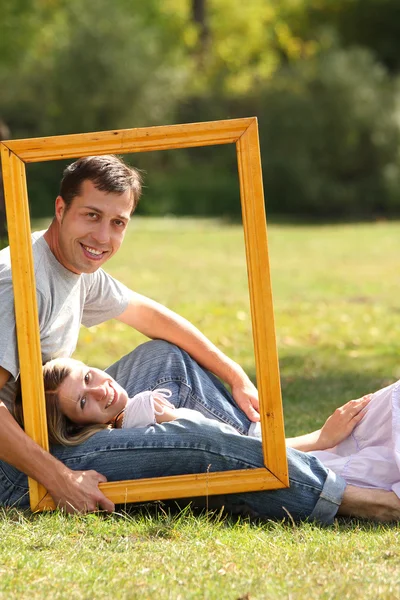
<point>60,428</point>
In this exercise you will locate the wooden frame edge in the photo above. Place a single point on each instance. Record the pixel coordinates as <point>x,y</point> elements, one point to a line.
<point>261,302</point>
<point>182,486</point>
<point>244,133</point>
<point>142,139</point>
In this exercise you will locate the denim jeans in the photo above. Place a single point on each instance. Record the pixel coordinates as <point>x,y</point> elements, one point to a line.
<point>209,443</point>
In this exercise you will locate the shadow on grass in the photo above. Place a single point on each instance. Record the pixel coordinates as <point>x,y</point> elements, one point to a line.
<point>313,386</point>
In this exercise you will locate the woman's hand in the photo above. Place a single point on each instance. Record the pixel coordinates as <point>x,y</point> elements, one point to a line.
<point>163,409</point>
<point>336,429</point>
<point>342,422</point>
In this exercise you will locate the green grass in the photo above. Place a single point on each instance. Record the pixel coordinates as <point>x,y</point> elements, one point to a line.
<point>337,321</point>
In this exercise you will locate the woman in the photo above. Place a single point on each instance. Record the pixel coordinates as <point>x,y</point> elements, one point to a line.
<point>360,441</point>
<point>82,400</point>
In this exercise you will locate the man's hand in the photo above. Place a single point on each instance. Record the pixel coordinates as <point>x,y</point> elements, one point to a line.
<point>340,425</point>
<point>245,395</point>
<point>79,492</point>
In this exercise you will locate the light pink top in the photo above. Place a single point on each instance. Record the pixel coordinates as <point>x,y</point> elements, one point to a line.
<point>370,456</point>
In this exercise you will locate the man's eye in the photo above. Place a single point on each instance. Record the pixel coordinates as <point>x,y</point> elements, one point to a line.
<point>119,223</point>
<point>92,215</point>
<point>82,403</point>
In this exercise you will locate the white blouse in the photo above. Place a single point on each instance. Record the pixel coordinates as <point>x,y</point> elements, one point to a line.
<point>370,456</point>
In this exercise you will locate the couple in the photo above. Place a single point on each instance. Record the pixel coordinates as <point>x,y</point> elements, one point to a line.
<point>96,200</point>
<point>360,441</point>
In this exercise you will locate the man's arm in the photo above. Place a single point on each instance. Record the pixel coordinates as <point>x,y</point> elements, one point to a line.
<point>71,490</point>
<point>158,322</point>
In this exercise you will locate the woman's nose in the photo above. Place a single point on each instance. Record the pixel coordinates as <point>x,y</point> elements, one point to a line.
<point>98,392</point>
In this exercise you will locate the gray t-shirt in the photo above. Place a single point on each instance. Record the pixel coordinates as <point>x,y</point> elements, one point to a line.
<point>65,300</point>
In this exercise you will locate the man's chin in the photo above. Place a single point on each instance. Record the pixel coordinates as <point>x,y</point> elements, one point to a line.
<point>90,265</point>
<point>92,268</point>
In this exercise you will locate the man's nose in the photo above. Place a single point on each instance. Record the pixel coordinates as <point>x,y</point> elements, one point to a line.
<point>101,233</point>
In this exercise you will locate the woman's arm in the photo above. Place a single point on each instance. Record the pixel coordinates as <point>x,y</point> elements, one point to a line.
<point>164,410</point>
<point>336,428</point>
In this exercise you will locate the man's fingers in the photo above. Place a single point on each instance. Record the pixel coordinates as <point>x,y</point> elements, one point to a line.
<point>99,476</point>
<point>81,493</point>
<point>106,504</point>
<point>102,501</point>
<point>252,414</point>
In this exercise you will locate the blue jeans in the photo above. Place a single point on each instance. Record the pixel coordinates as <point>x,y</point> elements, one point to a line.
<point>185,446</point>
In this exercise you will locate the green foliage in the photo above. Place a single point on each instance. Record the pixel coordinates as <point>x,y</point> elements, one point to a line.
<point>330,137</point>
<point>101,67</point>
<point>17,29</point>
<point>320,76</point>
<point>329,133</point>
<point>373,24</point>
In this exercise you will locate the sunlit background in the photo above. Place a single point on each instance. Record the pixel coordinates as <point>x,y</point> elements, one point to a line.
<point>322,77</point>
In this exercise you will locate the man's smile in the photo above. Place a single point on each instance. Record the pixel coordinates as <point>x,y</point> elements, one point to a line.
<point>93,253</point>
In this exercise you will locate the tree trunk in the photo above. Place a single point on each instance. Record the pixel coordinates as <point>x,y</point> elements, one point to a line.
<point>199,16</point>
<point>4,134</point>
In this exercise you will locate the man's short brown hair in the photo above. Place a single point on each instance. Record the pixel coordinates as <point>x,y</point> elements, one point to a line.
<point>108,173</point>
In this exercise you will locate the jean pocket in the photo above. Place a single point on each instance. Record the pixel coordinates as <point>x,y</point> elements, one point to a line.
<point>13,486</point>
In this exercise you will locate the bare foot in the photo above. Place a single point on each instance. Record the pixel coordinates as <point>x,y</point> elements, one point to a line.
<point>365,503</point>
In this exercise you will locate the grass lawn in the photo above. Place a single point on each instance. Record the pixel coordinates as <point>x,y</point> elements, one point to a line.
<point>337,310</point>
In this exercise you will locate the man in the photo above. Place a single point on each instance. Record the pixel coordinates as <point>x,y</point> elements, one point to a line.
<point>97,198</point>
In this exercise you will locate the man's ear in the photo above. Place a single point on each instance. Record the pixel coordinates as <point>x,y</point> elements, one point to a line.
<point>60,207</point>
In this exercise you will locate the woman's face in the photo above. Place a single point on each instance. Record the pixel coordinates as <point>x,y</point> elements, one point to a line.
<point>88,395</point>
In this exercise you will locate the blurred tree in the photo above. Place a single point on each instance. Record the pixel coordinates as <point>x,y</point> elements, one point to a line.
<point>17,28</point>
<point>94,66</point>
<point>4,135</point>
<point>68,66</point>
<point>373,24</point>
<point>330,138</point>
<point>199,16</point>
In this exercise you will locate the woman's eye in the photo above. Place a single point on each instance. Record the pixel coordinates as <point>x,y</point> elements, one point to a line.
<point>82,403</point>
<point>87,377</point>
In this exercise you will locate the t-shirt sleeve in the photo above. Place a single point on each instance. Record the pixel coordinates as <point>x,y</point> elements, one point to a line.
<point>8,337</point>
<point>106,298</point>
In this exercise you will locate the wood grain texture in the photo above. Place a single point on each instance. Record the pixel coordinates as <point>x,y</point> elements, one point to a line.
<point>144,139</point>
<point>183,486</point>
<point>26,315</point>
<point>261,304</point>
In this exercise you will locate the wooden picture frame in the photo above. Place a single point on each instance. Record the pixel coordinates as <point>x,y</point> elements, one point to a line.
<point>243,133</point>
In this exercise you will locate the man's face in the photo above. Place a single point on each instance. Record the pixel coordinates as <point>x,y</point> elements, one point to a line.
<point>92,229</point>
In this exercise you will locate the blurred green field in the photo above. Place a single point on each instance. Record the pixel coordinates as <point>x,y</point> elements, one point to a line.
<point>337,321</point>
